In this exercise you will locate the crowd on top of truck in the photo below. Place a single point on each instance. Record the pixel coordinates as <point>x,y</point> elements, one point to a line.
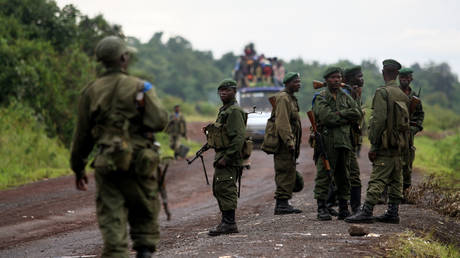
<point>253,70</point>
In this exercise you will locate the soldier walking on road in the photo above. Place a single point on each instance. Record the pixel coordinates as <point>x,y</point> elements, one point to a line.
<point>334,112</point>
<point>176,128</point>
<point>416,125</point>
<point>118,115</point>
<point>228,137</point>
<point>289,130</point>
<point>388,134</point>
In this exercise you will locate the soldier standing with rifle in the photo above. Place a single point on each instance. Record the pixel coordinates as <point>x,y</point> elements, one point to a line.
<point>118,115</point>
<point>388,134</point>
<point>416,125</point>
<point>334,111</point>
<point>227,137</point>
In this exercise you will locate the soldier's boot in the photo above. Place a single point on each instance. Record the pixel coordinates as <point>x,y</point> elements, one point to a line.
<point>144,253</point>
<point>226,226</point>
<point>343,210</point>
<point>364,215</point>
<point>331,210</point>
<point>390,215</point>
<point>355,199</point>
<point>282,207</point>
<point>384,197</point>
<point>323,213</point>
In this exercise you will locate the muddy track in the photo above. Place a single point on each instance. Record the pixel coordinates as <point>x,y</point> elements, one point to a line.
<point>51,219</point>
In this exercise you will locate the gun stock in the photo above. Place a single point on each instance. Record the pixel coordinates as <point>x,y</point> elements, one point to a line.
<point>414,102</point>
<point>320,148</point>
<point>319,84</point>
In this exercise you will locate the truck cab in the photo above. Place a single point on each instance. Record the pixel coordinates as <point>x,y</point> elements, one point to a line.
<point>256,96</point>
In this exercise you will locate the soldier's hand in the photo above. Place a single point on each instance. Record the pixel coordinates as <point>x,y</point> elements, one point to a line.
<point>372,156</point>
<point>81,182</point>
<point>221,163</point>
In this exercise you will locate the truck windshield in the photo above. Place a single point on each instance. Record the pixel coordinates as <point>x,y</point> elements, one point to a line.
<point>258,99</point>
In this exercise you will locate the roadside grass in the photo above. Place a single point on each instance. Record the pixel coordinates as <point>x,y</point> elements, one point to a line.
<point>407,244</point>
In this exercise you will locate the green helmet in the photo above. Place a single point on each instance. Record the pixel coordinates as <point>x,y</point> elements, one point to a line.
<point>298,182</point>
<point>111,48</point>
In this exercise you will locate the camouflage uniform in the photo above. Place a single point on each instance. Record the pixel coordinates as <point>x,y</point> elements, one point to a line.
<point>108,112</point>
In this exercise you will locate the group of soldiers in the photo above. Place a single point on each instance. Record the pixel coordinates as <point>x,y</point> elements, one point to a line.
<point>118,115</point>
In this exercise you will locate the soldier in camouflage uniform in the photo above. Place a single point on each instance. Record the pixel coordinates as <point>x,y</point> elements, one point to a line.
<point>388,134</point>
<point>118,115</point>
<point>416,125</point>
<point>176,128</point>
<point>289,130</point>
<point>228,160</point>
<point>334,112</point>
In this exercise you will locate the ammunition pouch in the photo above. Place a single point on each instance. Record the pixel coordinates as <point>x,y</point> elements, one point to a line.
<point>146,163</point>
<point>216,136</point>
<point>248,146</point>
<point>271,138</point>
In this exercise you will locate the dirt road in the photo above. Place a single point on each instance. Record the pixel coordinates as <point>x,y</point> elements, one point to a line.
<point>51,219</point>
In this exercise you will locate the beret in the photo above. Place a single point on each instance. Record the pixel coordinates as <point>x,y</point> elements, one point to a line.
<point>405,71</point>
<point>227,83</point>
<point>352,70</point>
<point>331,70</point>
<point>290,76</point>
<point>390,63</point>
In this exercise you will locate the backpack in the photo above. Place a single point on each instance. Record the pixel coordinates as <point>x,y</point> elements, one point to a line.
<point>271,138</point>
<point>396,135</point>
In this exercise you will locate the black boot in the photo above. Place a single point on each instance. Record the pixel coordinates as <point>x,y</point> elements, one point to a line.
<point>390,215</point>
<point>144,253</point>
<point>364,215</point>
<point>323,213</point>
<point>331,211</point>
<point>355,199</point>
<point>343,210</point>
<point>282,207</point>
<point>227,226</point>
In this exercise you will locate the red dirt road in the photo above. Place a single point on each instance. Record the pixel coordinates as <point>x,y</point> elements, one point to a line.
<point>52,219</point>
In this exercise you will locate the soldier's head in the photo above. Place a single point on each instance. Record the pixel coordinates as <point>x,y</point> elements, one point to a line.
<point>177,108</point>
<point>227,90</point>
<point>405,77</point>
<point>333,77</point>
<point>292,82</point>
<point>390,69</point>
<point>113,52</point>
<point>353,76</point>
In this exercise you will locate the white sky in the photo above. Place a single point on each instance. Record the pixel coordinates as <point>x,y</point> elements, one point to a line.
<point>323,30</point>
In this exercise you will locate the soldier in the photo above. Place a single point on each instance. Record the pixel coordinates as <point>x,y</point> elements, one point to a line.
<point>334,112</point>
<point>388,134</point>
<point>118,115</point>
<point>176,128</point>
<point>416,125</point>
<point>231,127</point>
<point>289,129</point>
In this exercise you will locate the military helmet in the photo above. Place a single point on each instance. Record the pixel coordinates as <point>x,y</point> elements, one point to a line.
<point>298,182</point>
<point>111,48</point>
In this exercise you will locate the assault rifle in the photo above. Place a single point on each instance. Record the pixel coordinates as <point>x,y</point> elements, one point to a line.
<point>319,84</point>
<point>320,150</point>
<point>162,185</point>
<point>199,154</point>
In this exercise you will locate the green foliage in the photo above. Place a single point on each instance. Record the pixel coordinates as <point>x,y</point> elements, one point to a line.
<point>439,119</point>
<point>408,244</point>
<point>27,154</point>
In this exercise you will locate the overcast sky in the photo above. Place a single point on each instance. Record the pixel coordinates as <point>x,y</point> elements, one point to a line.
<point>407,30</point>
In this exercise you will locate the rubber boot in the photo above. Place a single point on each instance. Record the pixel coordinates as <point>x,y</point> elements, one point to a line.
<point>343,210</point>
<point>355,199</point>
<point>227,226</point>
<point>390,215</point>
<point>144,253</point>
<point>364,215</point>
<point>323,213</point>
<point>282,207</point>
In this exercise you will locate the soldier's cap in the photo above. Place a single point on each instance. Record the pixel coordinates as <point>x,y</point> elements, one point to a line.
<point>330,70</point>
<point>227,83</point>
<point>391,64</point>
<point>111,48</point>
<point>405,71</point>
<point>352,71</point>
<point>290,76</point>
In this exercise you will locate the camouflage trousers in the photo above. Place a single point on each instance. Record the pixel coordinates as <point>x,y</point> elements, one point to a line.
<point>124,198</point>
<point>355,180</point>
<point>285,174</point>
<point>386,170</point>
<point>339,160</point>
<point>408,160</point>
<point>224,187</point>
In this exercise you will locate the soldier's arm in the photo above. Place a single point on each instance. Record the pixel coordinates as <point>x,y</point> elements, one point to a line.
<point>83,142</point>
<point>236,130</point>
<point>418,117</point>
<point>282,123</point>
<point>353,113</point>
<point>155,115</point>
<point>377,122</point>
<point>326,115</point>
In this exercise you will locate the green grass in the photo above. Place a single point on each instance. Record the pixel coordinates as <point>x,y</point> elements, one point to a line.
<point>408,244</point>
